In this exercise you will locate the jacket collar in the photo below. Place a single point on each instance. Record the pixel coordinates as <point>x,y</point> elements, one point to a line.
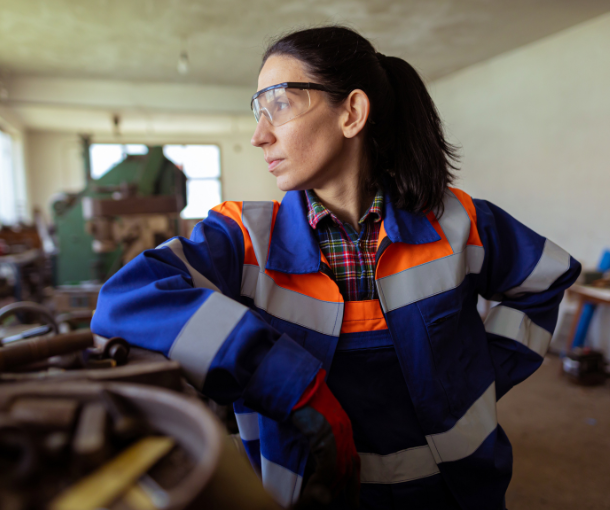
<point>405,227</point>
<point>294,244</point>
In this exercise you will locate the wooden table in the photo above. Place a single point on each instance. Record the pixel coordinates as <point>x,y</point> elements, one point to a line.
<point>585,294</point>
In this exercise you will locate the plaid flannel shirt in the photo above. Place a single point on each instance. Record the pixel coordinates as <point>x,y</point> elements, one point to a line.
<point>351,255</point>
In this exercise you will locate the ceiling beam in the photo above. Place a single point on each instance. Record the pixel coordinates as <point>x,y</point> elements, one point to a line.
<point>128,95</point>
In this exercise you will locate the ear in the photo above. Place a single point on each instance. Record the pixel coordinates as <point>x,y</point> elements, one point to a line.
<point>356,112</point>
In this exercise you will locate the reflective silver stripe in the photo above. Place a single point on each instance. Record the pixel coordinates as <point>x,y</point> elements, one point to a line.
<point>248,426</point>
<point>322,316</point>
<point>426,280</point>
<point>469,432</point>
<point>204,333</point>
<point>516,325</point>
<point>437,276</point>
<point>553,262</point>
<point>249,279</point>
<point>398,467</point>
<point>175,245</point>
<point>257,218</point>
<point>455,222</point>
<point>280,482</point>
<point>459,442</point>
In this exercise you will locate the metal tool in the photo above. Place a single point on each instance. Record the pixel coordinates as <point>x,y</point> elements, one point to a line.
<point>30,333</point>
<point>36,349</point>
<point>89,444</point>
<point>58,413</point>
<point>115,348</point>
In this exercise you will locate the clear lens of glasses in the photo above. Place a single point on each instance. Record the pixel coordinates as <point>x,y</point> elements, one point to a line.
<point>281,105</point>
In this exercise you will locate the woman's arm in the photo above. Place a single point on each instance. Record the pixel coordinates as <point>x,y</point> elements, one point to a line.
<point>528,275</point>
<point>182,299</point>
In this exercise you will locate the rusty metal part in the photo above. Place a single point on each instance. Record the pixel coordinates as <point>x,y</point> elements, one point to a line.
<point>37,349</point>
<point>18,456</point>
<point>212,473</point>
<point>164,374</point>
<point>126,421</point>
<point>30,333</point>
<point>28,307</point>
<point>89,444</point>
<point>98,364</point>
<point>115,348</point>
<point>57,413</point>
<point>68,361</point>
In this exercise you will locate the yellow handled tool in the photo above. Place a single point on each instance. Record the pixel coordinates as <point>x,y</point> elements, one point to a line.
<point>115,477</point>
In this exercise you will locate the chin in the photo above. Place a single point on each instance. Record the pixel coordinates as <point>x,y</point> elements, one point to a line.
<point>285,183</point>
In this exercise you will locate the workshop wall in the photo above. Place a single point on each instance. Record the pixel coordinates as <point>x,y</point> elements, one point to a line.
<point>55,164</point>
<point>534,126</point>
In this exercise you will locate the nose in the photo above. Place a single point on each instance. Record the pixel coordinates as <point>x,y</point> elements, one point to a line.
<point>263,134</point>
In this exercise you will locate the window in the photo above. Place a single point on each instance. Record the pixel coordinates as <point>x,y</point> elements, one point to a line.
<point>201,165</point>
<point>7,191</point>
<point>14,205</point>
<point>104,156</point>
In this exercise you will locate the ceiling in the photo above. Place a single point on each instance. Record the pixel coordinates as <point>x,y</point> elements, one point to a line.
<point>140,40</point>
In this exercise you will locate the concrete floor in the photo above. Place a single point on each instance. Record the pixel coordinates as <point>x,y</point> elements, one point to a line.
<point>561,442</point>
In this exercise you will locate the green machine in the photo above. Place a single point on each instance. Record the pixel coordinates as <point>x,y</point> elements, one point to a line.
<point>133,207</point>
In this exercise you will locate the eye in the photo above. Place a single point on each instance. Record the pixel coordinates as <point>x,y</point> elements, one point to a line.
<point>282,105</point>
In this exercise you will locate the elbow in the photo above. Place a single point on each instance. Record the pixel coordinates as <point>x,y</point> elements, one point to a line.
<point>573,271</point>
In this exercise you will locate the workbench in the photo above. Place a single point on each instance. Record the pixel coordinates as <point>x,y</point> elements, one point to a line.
<point>585,294</point>
<point>17,262</point>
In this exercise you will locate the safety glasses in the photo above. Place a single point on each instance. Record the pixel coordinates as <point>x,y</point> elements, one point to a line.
<point>283,102</point>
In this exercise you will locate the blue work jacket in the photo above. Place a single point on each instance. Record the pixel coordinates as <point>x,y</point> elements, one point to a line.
<point>249,307</point>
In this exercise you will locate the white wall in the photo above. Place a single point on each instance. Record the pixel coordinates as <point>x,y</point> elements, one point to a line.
<point>534,125</point>
<point>55,163</point>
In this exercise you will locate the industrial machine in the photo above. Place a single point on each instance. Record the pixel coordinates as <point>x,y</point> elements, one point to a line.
<point>133,207</point>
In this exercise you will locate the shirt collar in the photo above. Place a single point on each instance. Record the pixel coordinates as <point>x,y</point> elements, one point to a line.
<point>294,244</point>
<point>316,211</point>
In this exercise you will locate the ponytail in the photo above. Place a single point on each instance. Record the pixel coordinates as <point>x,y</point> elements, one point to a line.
<point>421,160</point>
<point>405,146</point>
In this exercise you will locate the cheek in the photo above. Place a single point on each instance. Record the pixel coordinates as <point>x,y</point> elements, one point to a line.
<point>314,146</point>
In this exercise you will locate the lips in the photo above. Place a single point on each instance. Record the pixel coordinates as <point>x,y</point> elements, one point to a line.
<point>273,163</point>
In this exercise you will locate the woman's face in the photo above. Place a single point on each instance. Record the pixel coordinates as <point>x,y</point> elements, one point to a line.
<point>307,151</point>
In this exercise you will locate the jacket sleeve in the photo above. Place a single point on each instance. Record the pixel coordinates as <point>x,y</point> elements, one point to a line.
<point>528,275</point>
<point>182,299</point>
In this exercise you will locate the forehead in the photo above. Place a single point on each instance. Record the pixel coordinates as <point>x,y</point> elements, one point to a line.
<point>279,69</point>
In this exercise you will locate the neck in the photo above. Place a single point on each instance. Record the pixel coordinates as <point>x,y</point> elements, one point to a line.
<point>345,196</point>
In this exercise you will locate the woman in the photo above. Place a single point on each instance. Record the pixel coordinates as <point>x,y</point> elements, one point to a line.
<point>344,319</point>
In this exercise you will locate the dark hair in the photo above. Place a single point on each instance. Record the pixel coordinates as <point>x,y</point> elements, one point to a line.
<point>405,144</point>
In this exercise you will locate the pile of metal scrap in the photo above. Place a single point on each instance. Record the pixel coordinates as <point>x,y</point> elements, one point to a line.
<point>23,269</point>
<point>89,423</point>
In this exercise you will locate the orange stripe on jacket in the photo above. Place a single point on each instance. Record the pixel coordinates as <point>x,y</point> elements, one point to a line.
<point>396,258</point>
<point>315,285</point>
<point>400,256</point>
<point>359,316</point>
<point>234,210</point>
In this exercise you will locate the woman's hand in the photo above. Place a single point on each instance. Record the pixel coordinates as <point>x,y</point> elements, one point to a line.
<point>320,417</point>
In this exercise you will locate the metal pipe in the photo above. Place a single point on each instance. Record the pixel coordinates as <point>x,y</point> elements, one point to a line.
<point>37,349</point>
